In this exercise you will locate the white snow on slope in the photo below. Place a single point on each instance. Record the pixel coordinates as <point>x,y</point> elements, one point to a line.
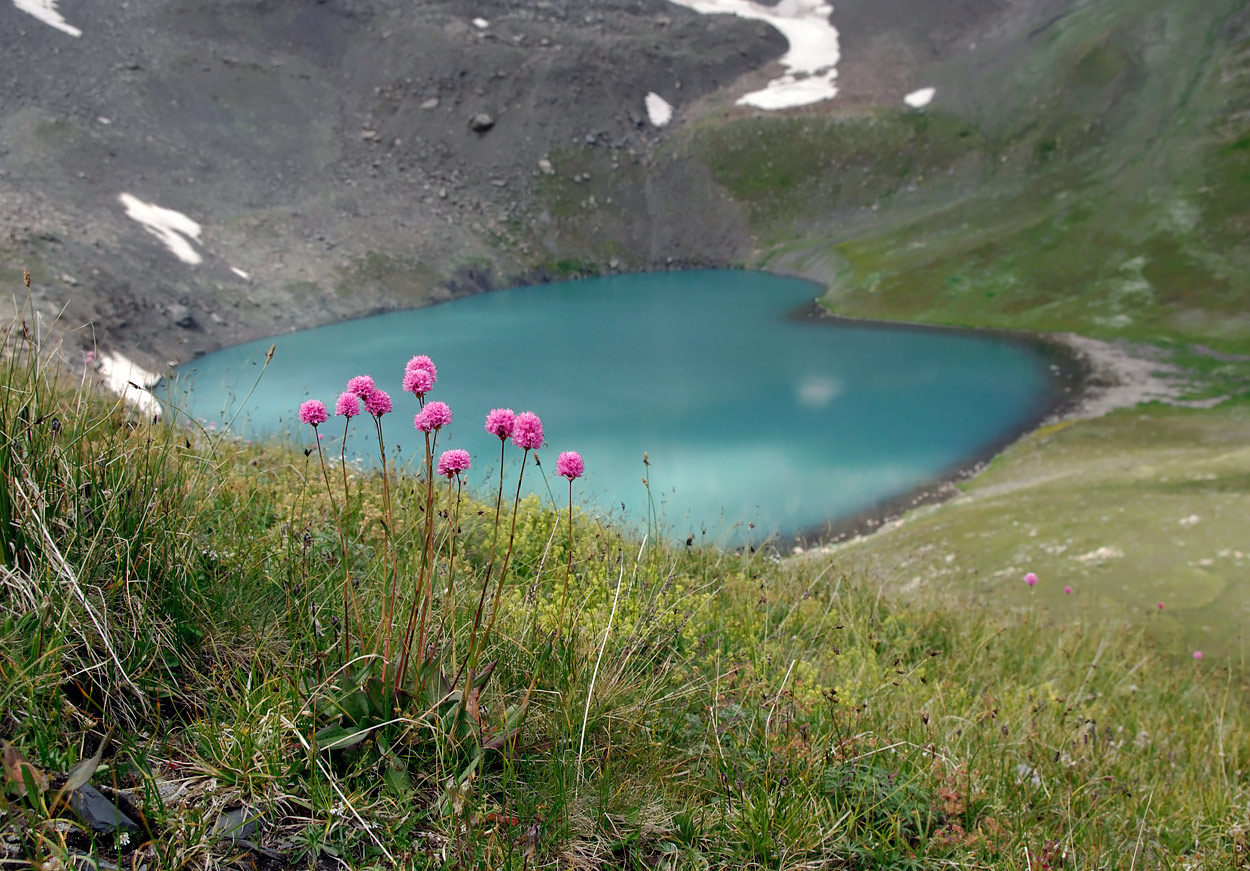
<point>920,99</point>
<point>813,56</point>
<point>659,110</point>
<point>174,229</point>
<point>125,378</point>
<point>45,11</point>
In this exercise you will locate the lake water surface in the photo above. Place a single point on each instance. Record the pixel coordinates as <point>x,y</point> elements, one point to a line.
<point>747,413</point>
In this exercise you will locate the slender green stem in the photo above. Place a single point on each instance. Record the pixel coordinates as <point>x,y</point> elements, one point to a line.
<point>338,516</point>
<point>490,567</point>
<point>449,615</point>
<point>387,526</point>
<point>568,569</point>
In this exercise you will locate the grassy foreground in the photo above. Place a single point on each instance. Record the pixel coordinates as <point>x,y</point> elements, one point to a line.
<point>170,633</point>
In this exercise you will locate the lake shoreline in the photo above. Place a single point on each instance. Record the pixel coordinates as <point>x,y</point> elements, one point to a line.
<point>1092,378</point>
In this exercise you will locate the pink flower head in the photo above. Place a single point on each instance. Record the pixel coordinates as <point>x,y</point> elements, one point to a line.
<point>1197,654</point>
<point>1067,589</point>
<point>422,362</point>
<point>313,412</point>
<point>527,432</point>
<point>500,422</point>
<point>378,402</point>
<point>434,416</point>
<point>453,462</point>
<point>1031,579</point>
<point>570,465</point>
<point>361,385</point>
<point>418,381</point>
<point>348,404</point>
<point>1160,606</point>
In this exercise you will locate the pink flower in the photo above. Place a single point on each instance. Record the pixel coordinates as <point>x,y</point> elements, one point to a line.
<point>570,465</point>
<point>1031,579</point>
<point>422,362</point>
<point>418,381</point>
<point>500,422</point>
<point>348,405</point>
<point>1067,589</point>
<point>1160,606</point>
<point>434,416</point>
<point>1197,654</point>
<point>313,412</point>
<point>378,402</point>
<point>453,462</point>
<point>361,385</point>
<point>527,432</point>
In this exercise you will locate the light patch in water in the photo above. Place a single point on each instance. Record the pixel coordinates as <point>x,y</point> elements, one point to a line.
<point>817,391</point>
<point>239,272</point>
<point>45,11</point>
<point>174,229</point>
<point>813,56</point>
<point>659,110</point>
<point>921,98</point>
<point>129,381</point>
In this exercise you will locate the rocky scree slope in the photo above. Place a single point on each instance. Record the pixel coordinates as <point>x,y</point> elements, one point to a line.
<point>351,156</point>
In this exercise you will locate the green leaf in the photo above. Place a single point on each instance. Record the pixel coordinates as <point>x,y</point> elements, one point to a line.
<point>339,737</point>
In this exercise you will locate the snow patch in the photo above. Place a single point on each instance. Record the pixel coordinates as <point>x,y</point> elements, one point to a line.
<point>813,56</point>
<point>659,110</point>
<point>921,98</point>
<point>239,272</point>
<point>45,11</point>
<point>129,381</point>
<point>174,229</point>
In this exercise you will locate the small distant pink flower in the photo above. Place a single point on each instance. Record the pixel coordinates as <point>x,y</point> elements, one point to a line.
<point>1067,589</point>
<point>1031,579</point>
<point>1197,654</point>
<point>500,422</point>
<point>453,462</point>
<point>378,402</point>
<point>418,382</point>
<point>422,362</point>
<point>313,412</point>
<point>569,464</point>
<point>434,416</point>
<point>1160,606</point>
<point>348,404</point>
<point>361,385</point>
<point>527,432</point>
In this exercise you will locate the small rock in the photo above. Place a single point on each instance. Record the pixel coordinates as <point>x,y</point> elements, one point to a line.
<point>181,316</point>
<point>368,135</point>
<point>545,167</point>
<point>69,279</point>
<point>216,318</point>
<point>98,812</point>
<point>614,263</point>
<point>429,104</point>
<point>442,193</point>
<point>481,122</point>
<point>498,182</point>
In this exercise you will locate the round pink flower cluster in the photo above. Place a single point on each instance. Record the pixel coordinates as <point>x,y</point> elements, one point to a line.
<point>418,382</point>
<point>1031,579</point>
<point>361,385</point>
<point>527,431</point>
<point>453,462</point>
<point>378,402</point>
<point>434,416</point>
<point>499,422</point>
<point>569,464</point>
<point>348,405</point>
<point>313,412</point>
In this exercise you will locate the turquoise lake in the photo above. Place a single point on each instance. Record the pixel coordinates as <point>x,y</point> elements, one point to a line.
<point>747,413</point>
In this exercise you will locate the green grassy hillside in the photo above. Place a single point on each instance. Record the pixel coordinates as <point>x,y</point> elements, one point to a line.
<point>198,628</point>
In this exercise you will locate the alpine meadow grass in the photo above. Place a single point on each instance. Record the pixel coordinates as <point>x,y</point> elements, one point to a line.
<point>223,654</point>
